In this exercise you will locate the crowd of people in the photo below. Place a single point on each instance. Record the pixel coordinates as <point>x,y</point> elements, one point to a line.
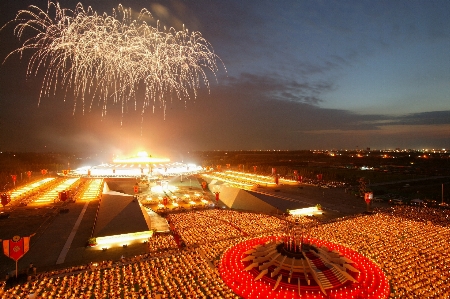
<point>207,226</point>
<point>195,229</point>
<point>25,195</point>
<point>173,274</point>
<point>410,244</point>
<point>161,242</point>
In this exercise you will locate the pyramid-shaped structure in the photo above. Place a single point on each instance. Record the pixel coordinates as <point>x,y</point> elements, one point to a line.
<point>239,199</point>
<point>120,214</point>
<point>236,198</point>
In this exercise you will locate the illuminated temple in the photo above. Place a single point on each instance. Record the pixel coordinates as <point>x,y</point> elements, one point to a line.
<point>121,219</point>
<point>140,165</point>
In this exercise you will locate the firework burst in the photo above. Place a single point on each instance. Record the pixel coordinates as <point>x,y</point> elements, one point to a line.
<point>107,57</point>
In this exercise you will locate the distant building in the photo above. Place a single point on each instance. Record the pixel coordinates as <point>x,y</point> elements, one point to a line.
<point>138,166</point>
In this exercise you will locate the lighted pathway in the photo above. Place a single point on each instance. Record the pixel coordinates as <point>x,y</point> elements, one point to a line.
<point>91,192</point>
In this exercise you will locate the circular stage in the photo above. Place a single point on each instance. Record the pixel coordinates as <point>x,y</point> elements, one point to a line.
<point>263,268</point>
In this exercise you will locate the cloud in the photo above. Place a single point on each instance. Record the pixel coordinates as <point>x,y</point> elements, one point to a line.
<point>425,118</point>
<point>419,130</point>
<point>413,119</point>
<point>246,112</point>
<point>274,87</point>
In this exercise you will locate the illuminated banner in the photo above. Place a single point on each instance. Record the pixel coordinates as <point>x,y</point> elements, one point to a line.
<point>368,196</point>
<point>5,199</point>
<point>16,247</point>
<point>62,195</point>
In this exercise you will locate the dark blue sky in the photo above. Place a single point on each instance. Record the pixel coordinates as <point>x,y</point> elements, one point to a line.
<point>300,75</point>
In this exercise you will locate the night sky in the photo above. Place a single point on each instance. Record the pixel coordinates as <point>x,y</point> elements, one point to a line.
<point>299,75</point>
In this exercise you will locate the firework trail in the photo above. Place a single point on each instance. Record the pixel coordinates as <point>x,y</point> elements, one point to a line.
<point>109,56</point>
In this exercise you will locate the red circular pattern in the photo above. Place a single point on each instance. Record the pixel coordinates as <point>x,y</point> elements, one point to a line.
<point>372,283</point>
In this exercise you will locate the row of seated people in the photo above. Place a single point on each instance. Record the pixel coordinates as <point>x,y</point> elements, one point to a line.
<point>244,178</point>
<point>29,196</point>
